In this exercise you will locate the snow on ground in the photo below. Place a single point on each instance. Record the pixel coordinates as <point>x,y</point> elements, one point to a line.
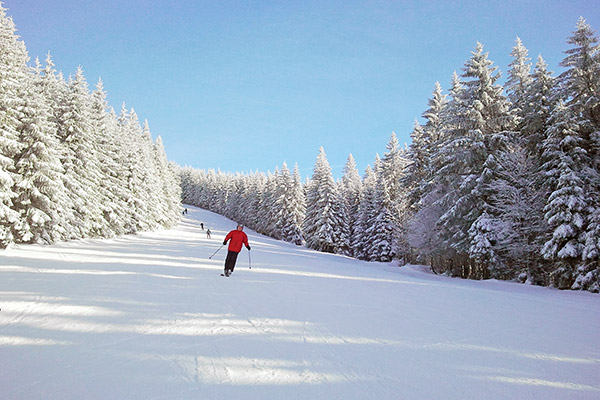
<point>149,317</point>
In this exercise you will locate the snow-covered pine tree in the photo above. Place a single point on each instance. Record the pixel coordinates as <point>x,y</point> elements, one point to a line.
<point>13,58</point>
<point>350,187</point>
<point>208,196</point>
<point>566,207</point>
<point>112,186</point>
<point>155,204</point>
<point>202,191</point>
<point>282,219</point>
<point>522,186</point>
<point>579,87</point>
<point>193,185</point>
<point>588,275</point>
<point>579,83</point>
<point>190,180</point>
<point>289,205</point>
<point>38,183</point>
<point>479,128</point>
<point>393,198</point>
<point>298,208</point>
<point>441,193</point>
<point>252,201</point>
<point>137,204</point>
<point>383,224</point>
<point>425,141</point>
<point>267,214</point>
<point>54,89</point>
<point>342,232</point>
<point>366,212</point>
<point>171,188</point>
<point>519,79</point>
<point>539,101</point>
<point>419,161</point>
<point>82,171</point>
<point>420,180</point>
<point>320,225</point>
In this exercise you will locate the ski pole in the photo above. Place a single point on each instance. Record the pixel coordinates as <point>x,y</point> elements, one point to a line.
<point>216,251</point>
<point>249,261</point>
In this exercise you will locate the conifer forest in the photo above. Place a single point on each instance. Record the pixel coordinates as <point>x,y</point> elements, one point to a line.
<point>70,167</point>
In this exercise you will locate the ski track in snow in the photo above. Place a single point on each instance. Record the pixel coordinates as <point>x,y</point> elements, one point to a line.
<point>149,317</point>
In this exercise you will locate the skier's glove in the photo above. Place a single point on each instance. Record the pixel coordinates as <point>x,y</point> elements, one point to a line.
<point>248,247</point>
<point>224,242</point>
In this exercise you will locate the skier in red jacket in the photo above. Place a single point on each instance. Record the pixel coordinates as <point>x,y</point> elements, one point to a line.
<point>237,237</point>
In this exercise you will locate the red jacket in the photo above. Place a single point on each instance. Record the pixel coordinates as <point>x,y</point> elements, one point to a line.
<point>237,239</point>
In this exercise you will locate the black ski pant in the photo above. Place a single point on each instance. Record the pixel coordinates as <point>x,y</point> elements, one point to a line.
<point>230,260</point>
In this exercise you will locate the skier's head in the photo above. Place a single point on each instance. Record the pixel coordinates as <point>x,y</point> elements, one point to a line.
<point>240,227</point>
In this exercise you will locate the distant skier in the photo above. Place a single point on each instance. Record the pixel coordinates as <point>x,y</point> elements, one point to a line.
<point>237,237</point>
<point>208,232</point>
<point>202,225</point>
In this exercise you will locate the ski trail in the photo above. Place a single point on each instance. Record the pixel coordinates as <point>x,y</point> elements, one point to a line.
<point>148,317</point>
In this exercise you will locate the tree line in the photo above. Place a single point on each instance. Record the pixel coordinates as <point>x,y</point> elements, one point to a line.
<point>500,181</point>
<point>70,167</point>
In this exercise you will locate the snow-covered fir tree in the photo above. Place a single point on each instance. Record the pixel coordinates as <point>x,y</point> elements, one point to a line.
<point>425,140</point>
<point>322,224</point>
<point>419,178</point>
<point>567,204</point>
<point>579,83</point>
<point>539,102</point>
<point>169,186</point>
<point>79,159</point>
<point>366,213</point>
<point>479,126</point>
<point>382,224</point>
<point>38,185</point>
<point>13,58</point>
<point>112,186</point>
<point>392,195</point>
<point>577,124</point>
<point>267,220</point>
<point>290,206</point>
<point>519,78</point>
<point>62,156</point>
<point>350,187</point>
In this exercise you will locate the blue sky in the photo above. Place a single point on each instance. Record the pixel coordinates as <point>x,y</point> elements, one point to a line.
<point>247,85</point>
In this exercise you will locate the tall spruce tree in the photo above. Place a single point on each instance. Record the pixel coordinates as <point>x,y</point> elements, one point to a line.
<point>361,244</point>
<point>425,141</point>
<point>170,186</point>
<point>567,204</point>
<point>112,185</point>
<point>289,206</point>
<point>519,79</point>
<point>579,83</point>
<point>350,188</point>
<point>321,223</point>
<point>38,184</point>
<point>479,127</point>
<point>13,58</point>
<point>580,89</point>
<point>539,101</point>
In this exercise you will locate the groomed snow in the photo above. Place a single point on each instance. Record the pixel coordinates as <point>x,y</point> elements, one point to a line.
<point>149,317</point>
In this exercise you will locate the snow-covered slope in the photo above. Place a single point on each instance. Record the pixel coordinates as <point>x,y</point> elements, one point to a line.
<point>149,317</point>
